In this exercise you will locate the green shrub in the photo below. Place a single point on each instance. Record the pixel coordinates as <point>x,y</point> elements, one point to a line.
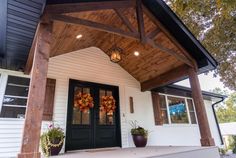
<point>222,151</point>
<point>138,130</point>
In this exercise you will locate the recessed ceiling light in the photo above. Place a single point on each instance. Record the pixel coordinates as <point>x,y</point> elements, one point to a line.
<point>79,36</point>
<point>136,53</point>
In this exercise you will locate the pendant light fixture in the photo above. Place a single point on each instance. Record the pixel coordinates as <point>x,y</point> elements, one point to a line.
<point>115,52</point>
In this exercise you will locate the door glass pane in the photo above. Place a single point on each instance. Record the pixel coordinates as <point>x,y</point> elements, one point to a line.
<point>107,107</point>
<point>81,109</point>
<point>177,108</point>
<point>102,113</point>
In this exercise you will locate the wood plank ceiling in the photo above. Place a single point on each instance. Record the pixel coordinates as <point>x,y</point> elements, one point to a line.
<point>152,61</point>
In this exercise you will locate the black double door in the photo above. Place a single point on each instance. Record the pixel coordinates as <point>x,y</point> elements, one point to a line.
<point>92,128</point>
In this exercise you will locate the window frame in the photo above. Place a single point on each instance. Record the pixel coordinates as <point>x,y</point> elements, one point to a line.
<point>187,109</point>
<point>3,83</point>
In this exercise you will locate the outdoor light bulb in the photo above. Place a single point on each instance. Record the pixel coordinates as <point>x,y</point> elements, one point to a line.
<point>136,53</point>
<point>79,36</point>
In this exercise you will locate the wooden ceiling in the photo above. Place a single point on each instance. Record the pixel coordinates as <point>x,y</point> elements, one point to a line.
<point>129,27</point>
<point>151,62</point>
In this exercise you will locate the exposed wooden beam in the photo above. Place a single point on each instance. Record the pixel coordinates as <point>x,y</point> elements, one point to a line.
<point>88,6</point>
<point>35,102</point>
<point>206,138</point>
<point>172,39</point>
<point>125,20</point>
<point>166,78</point>
<point>94,25</point>
<point>154,33</point>
<point>169,51</point>
<point>139,13</point>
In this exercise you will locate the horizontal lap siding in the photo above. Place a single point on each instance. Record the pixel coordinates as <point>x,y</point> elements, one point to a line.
<point>92,65</point>
<point>10,137</point>
<point>89,65</point>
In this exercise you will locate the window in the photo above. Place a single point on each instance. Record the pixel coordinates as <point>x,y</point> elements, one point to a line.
<point>15,98</point>
<point>175,110</point>
<point>191,111</point>
<point>105,118</point>
<point>80,117</point>
<point>164,113</point>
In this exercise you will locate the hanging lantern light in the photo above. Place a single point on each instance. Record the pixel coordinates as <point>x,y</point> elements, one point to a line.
<point>115,54</point>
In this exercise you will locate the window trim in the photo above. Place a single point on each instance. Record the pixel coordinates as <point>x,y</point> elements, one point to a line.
<point>187,108</point>
<point>3,84</point>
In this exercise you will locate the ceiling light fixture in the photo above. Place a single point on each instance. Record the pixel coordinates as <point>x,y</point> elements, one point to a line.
<point>79,36</point>
<point>136,53</point>
<point>115,52</point>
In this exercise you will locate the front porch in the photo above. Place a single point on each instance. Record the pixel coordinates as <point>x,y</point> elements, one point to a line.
<point>76,41</point>
<point>147,152</point>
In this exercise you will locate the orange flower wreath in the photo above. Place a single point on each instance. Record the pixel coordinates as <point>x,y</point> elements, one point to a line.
<point>108,105</point>
<point>83,101</point>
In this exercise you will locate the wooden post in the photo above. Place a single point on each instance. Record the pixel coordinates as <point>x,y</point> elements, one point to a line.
<point>35,103</point>
<point>206,138</point>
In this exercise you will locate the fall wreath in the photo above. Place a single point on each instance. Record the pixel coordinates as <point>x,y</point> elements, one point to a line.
<point>108,105</point>
<point>83,101</point>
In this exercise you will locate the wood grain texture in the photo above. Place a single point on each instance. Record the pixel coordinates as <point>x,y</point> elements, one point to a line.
<point>206,138</point>
<point>49,99</point>
<point>78,7</point>
<point>151,62</point>
<point>166,78</point>
<point>157,108</point>
<point>35,102</point>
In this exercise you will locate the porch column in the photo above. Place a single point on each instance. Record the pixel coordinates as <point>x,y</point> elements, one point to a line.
<point>34,110</point>
<point>206,138</point>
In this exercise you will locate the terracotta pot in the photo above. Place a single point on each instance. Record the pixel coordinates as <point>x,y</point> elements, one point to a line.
<point>139,140</point>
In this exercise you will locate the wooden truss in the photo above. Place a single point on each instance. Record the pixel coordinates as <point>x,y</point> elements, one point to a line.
<point>57,11</point>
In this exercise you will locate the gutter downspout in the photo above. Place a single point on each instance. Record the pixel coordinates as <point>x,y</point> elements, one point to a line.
<point>216,119</point>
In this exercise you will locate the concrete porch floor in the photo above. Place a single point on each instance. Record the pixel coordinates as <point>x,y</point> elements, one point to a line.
<point>147,152</point>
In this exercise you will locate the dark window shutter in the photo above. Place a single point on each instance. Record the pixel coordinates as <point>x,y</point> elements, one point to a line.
<point>157,108</point>
<point>49,99</point>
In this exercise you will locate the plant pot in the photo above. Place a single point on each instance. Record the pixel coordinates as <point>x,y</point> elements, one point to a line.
<point>139,140</point>
<point>54,150</point>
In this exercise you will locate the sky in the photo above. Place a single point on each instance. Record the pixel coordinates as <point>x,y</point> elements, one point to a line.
<point>207,82</point>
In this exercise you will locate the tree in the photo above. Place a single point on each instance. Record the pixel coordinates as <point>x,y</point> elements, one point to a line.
<point>213,22</point>
<point>226,112</point>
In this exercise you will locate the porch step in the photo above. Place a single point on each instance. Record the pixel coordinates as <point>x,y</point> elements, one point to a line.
<point>149,152</point>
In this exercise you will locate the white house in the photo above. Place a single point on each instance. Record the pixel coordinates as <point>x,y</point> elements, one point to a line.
<point>183,132</point>
<point>55,52</point>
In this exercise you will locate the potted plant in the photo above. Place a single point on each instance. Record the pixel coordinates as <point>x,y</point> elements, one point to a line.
<point>52,141</point>
<point>139,135</point>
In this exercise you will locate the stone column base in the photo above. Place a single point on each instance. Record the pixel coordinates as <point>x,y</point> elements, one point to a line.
<point>207,142</point>
<point>29,155</point>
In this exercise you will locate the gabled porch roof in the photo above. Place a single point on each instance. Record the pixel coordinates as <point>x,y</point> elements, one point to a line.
<point>166,44</point>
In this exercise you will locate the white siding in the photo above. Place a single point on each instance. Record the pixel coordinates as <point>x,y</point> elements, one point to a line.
<point>93,65</point>
<point>212,122</point>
